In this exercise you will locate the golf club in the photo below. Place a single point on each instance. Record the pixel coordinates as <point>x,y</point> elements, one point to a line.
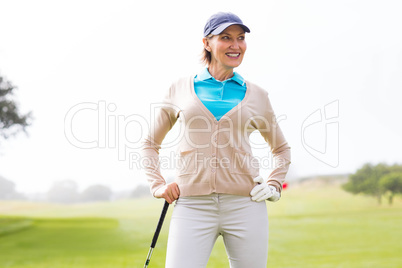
<point>156,235</point>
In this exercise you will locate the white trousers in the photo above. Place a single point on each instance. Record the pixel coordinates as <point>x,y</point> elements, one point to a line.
<point>198,221</point>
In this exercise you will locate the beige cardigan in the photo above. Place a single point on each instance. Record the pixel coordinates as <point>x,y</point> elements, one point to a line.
<point>214,156</point>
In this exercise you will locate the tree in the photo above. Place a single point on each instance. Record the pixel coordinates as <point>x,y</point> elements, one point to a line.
<point>391,183</point>
<point>11,120</point>
<point>366,179</point>
<point>141,190</point>
<point>96,193</point>
<point>65,191</point>
<point>7,190</point>
<point>395,168</point>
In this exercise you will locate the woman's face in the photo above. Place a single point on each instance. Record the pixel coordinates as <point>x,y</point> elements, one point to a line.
<point>228,48</point>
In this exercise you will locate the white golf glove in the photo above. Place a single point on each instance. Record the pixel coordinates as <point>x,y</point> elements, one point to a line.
<point>262,191</point>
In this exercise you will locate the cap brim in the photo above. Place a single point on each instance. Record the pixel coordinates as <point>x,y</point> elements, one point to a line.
<point>222,27</point>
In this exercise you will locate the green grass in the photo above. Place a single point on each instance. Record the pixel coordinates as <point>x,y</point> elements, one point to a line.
<point>326,227</point>
<point>12,225</point>
<point>318,226</point>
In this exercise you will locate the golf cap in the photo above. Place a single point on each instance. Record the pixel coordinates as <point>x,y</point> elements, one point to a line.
<point>220,21</point>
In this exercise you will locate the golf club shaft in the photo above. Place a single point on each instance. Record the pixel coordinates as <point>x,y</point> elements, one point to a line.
<point>156,235</point>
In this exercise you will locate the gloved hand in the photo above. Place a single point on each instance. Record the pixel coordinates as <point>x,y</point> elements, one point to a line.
<point>263,191</point>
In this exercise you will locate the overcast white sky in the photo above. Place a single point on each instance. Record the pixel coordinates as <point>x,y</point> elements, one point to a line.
<point>332,69</point>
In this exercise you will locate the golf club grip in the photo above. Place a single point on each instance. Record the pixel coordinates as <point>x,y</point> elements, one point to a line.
<point>159,227</point>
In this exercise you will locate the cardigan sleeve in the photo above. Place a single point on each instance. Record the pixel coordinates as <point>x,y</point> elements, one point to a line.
<point>280,149</point>
<point>165,116</point>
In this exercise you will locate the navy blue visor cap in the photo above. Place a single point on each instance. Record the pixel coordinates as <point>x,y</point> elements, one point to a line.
<point>220,21</point>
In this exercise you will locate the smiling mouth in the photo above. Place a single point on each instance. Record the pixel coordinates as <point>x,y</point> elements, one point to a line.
<point>233,55</point>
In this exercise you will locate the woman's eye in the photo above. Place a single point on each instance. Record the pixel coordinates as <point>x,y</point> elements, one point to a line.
<point>242,37</point>
<point>225,37</point>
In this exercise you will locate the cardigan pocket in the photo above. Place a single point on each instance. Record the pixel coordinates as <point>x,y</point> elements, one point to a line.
<point>243,163</point>
<point>187,162</point>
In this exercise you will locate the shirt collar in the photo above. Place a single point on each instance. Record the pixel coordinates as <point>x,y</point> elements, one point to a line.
<point>205,75</point>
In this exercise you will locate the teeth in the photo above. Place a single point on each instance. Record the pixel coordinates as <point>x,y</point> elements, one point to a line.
<point>233,55</point>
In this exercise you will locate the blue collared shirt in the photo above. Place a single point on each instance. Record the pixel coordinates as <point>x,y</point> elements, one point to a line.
<point>219,96</point>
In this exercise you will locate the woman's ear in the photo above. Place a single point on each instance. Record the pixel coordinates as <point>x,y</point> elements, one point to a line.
<point>206,44</point>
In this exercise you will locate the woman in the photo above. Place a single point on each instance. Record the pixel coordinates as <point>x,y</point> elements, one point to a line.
<point>217,180</point>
